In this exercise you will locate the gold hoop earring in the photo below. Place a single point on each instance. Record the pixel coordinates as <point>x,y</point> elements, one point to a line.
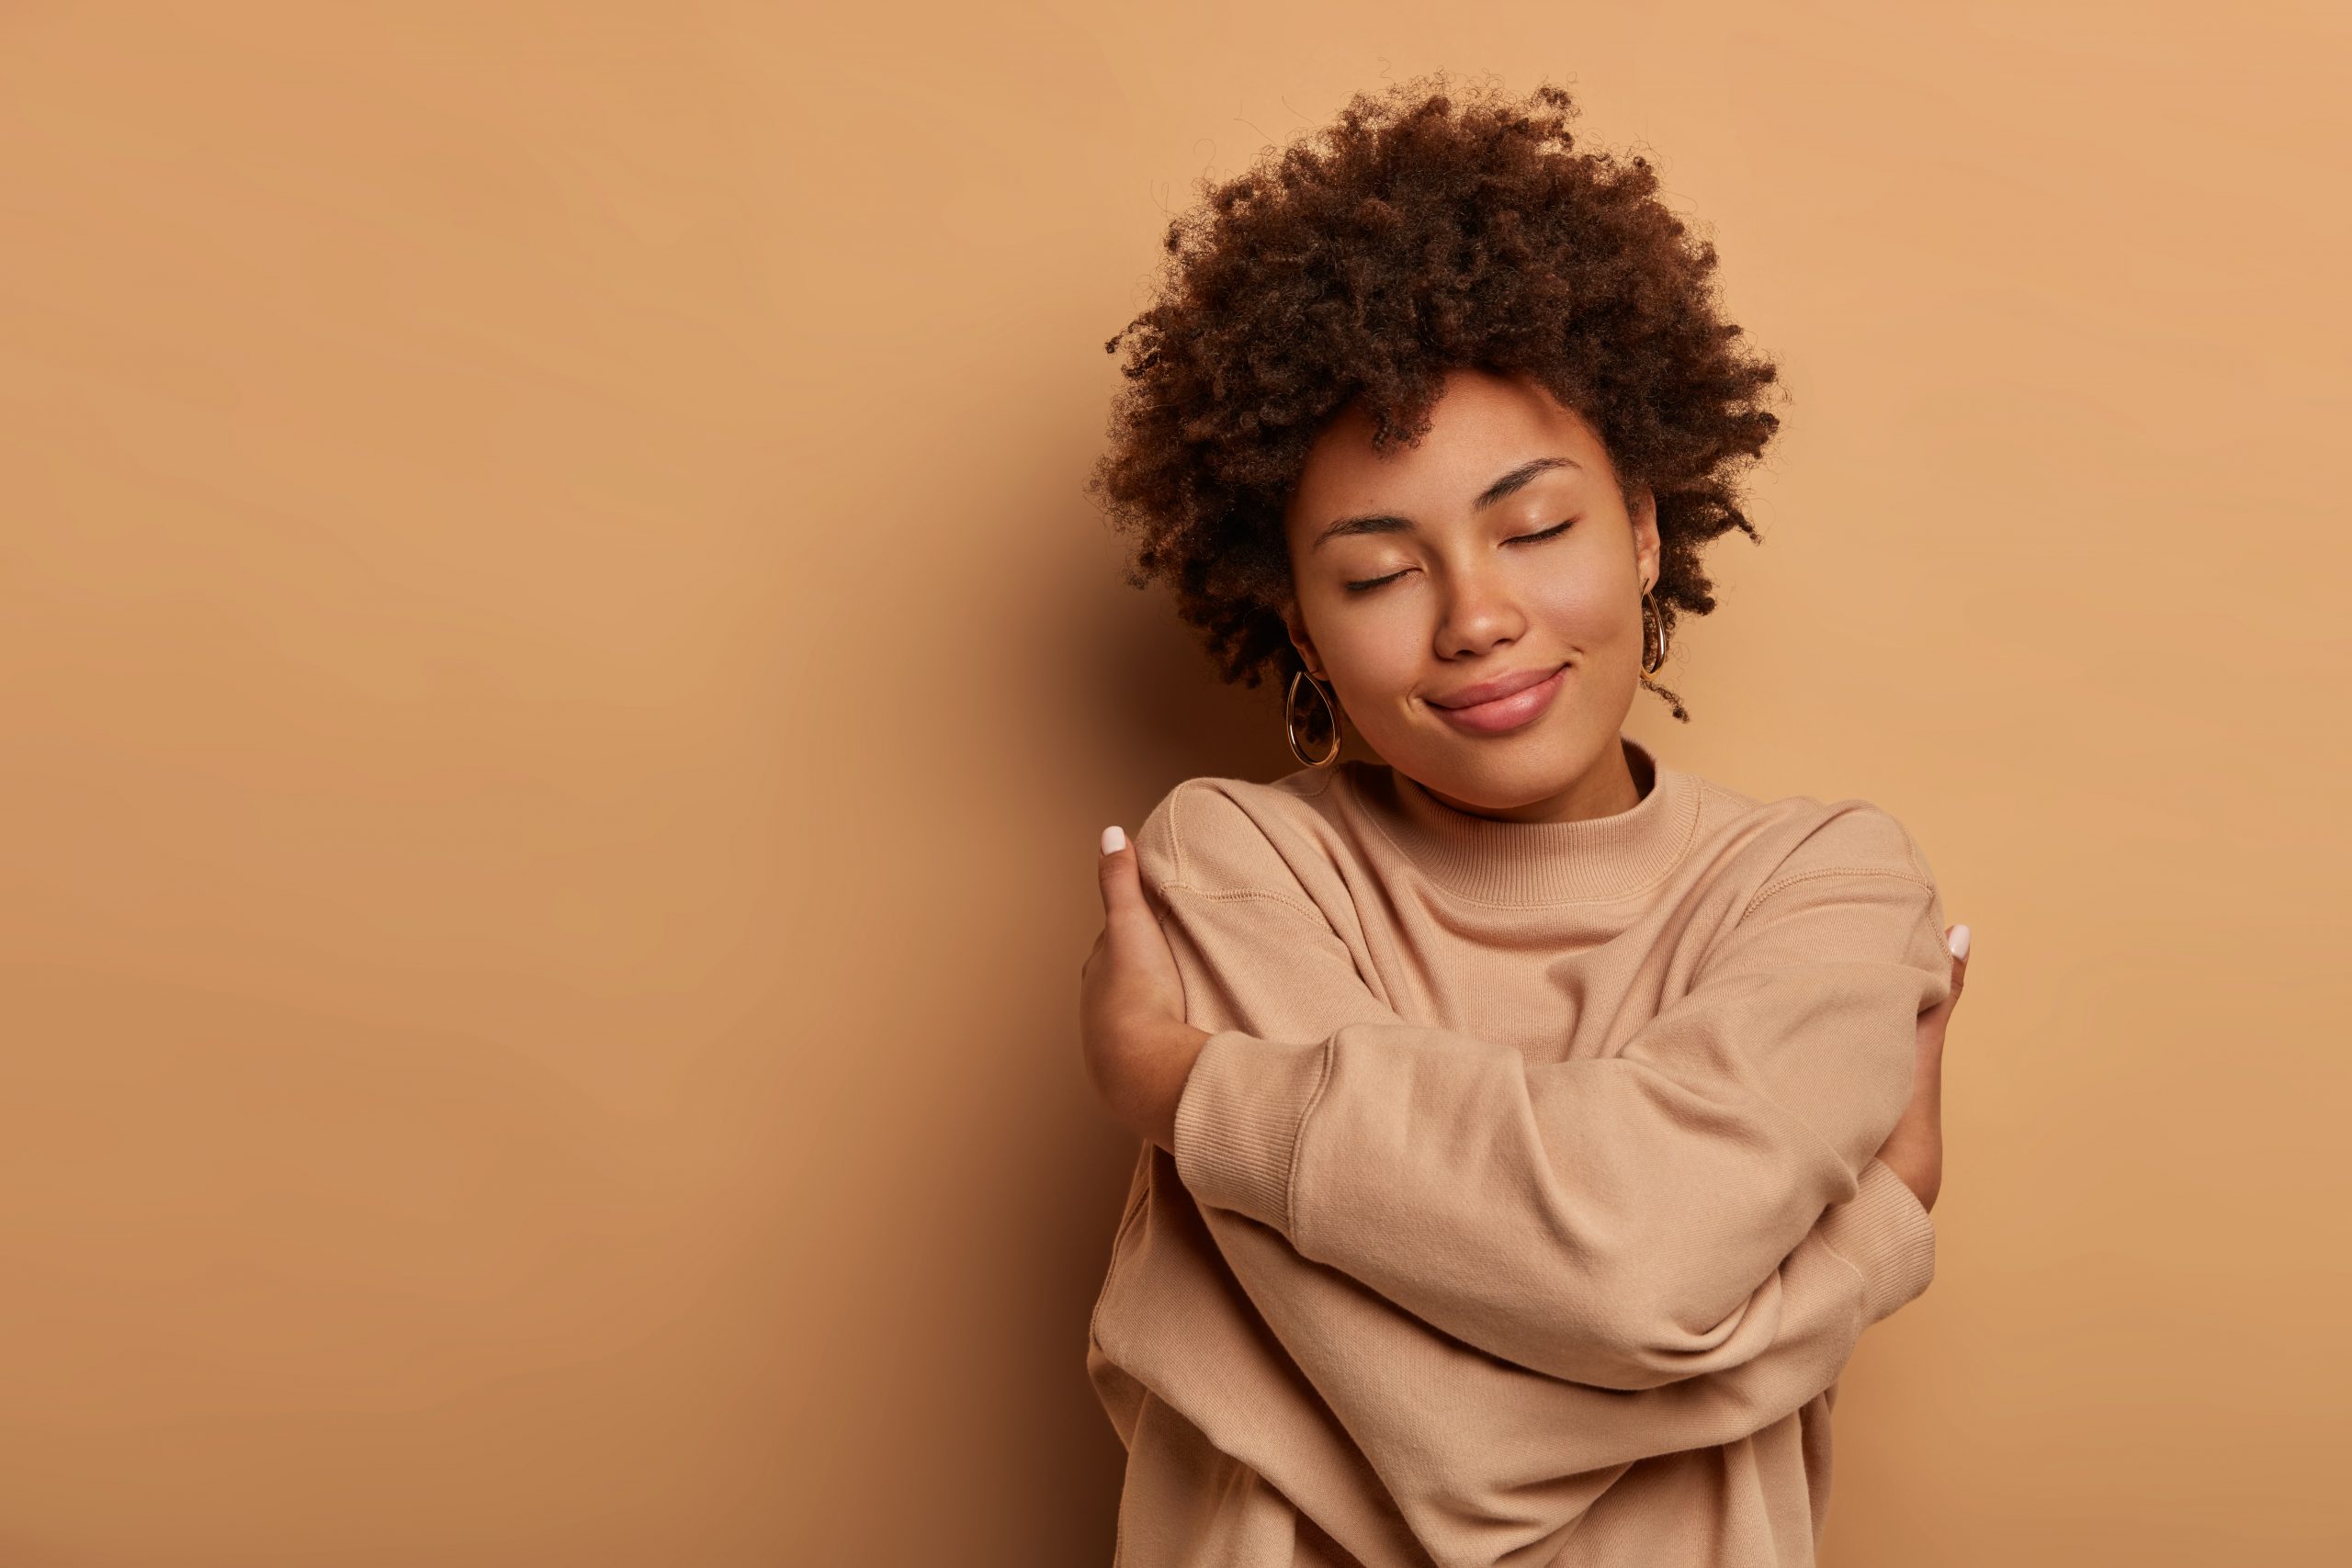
<point>1650,617</point>
<point>1289,725</point>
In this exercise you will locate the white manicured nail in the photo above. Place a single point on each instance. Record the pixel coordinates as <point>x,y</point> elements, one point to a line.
<point>1115,839</point>
<point>1960,942</point>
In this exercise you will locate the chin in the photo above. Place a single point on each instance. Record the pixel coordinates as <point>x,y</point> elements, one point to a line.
<point>1499,778</point>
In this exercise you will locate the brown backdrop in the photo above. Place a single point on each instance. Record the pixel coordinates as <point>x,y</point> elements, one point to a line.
<point>560,688</point>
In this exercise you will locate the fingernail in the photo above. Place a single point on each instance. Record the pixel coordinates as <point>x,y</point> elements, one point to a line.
<point>1115,839</point>
<point>1960,942</point>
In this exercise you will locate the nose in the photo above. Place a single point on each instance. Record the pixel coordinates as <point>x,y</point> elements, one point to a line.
<point>1479,613</point>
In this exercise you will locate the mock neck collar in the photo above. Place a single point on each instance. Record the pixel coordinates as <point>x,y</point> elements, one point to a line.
<point>1536,862</point>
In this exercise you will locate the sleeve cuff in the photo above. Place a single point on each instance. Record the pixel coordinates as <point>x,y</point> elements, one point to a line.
<point>1237,1122</point>
<point>1887,1234</point>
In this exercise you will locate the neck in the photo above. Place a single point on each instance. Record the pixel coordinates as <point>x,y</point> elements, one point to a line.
<point>1618,781</point>
<point>1514,860</point>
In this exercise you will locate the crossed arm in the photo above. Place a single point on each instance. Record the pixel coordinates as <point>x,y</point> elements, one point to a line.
<point>1610,1221</point>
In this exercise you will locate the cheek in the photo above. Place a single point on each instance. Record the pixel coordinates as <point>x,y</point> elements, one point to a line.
<point>1373,658</point>
<point>1582,611</point>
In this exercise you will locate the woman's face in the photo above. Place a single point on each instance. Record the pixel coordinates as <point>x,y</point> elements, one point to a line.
<point>1497,550</point>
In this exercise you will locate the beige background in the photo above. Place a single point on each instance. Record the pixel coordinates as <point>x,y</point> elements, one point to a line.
<point>560,685</point>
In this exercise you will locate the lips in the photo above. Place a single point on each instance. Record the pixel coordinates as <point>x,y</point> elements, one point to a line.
<point>1510,713</point>
<point>1500,686</point>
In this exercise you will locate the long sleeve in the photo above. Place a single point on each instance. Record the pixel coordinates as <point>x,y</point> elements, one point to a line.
<point>1364,1412</point>
<point>1624,1221</point>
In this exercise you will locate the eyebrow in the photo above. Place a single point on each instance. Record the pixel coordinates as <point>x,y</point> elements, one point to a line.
<point>1388,522</point>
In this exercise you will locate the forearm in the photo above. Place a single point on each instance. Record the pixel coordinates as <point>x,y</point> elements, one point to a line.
<point>1487,1439</point>
<point>1157,1056</point>
<point>1417,1164</point>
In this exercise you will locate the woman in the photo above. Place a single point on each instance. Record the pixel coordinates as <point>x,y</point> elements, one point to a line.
<point>1531,1127</point>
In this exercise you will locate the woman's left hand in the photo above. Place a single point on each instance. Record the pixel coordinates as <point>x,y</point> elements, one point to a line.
<point>1131,1023</point>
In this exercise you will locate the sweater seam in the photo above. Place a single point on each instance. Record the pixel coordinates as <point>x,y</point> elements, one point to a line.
<point>1838,1253</point>
<point>1298,1144</point>
<point>1234,895</point>
<point>1860,1317</point>
<point>1861,1284</point>
<point>1794,878</point>
<point>1181,882</point>
<point>1863,1308</point>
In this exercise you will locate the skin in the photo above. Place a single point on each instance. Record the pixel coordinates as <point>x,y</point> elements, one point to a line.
<point>1471,591</point>
<point>1483,592</point>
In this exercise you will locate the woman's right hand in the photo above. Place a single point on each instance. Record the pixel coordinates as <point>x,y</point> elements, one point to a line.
<point>1915,1150</point>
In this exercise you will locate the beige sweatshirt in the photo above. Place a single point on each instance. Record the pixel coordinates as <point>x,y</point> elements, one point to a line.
<point>1523,1208</point>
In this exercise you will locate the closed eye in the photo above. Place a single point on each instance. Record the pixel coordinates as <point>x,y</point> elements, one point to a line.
<point>1554,530</point>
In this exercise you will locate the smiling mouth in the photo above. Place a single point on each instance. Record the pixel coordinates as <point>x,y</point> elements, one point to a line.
<point>1495,690</point>
<point>1513,710</point>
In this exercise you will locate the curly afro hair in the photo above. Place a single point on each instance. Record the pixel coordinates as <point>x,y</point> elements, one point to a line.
<point>1424,231</point>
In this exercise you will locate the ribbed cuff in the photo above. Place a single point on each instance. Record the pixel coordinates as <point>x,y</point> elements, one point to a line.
<point>1887,1234</point>
<point>1238,1119</point>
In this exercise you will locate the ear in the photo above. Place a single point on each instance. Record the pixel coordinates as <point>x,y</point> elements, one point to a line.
<point>1646,541</point>
<point>1301,641</point>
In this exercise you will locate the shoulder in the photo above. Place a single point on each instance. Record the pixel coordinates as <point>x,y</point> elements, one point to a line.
<point>1852,837</point>
<point>1226,835</point>
<point>1801,837</point>
<point>1801,879</point>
